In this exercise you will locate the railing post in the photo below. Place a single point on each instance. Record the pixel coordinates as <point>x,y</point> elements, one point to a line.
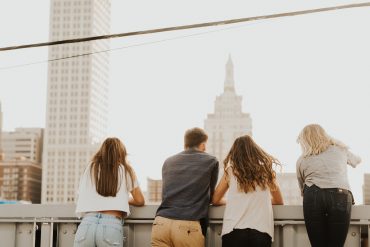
<point>7,234</point>
<point>25,234</point>
<point>66,234</point>
<point>353,236</point>
<point>288,236</point>
<point>46,234</point>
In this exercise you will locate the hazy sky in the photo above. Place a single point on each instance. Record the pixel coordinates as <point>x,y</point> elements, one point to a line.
<point>290,71</point>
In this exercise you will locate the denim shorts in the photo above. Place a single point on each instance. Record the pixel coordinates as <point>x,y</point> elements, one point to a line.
<point>102,230</point>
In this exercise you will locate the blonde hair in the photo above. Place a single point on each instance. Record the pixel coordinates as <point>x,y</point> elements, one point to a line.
<point>314,140</point>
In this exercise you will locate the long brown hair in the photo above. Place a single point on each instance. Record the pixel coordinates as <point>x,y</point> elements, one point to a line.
<point>105,167</point>
<point>251,165</point>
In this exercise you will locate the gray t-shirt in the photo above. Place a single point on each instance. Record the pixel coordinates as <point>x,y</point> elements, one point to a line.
<point>327,169</point>
<point>189,179</point>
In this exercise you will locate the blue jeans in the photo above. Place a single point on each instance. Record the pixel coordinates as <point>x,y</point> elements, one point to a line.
<point>100,230</point>
<point>327,213</point>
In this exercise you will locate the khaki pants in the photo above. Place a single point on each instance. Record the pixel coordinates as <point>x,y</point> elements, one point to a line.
<point>176,233</point>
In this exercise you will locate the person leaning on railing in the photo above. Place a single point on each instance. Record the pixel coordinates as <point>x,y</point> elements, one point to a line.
<point>251,182</point>
<point>322,178</point>
<point>103,196</point>
<point>189,179</point>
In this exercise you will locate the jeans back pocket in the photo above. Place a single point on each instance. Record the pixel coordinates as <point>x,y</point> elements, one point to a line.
<point>82,231</point>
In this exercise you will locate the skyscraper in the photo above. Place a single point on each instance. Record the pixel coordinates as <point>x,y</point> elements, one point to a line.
<point>77,95</point>
<point>228,121</point>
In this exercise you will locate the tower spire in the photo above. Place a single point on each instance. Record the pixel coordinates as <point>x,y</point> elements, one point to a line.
<point>229,76</point>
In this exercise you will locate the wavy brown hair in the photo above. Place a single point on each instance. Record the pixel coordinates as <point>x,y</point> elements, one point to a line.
<point>251,165</point>
<point>105,167</point>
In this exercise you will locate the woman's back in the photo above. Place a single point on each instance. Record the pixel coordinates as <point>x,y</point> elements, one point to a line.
<point>247,210</point>
<point>327,169</point>
<point>90,201</point>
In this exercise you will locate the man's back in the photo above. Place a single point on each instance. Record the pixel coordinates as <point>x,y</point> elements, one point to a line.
<point>188,180</point>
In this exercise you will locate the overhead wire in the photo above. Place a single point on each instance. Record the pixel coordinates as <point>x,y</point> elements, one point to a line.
<point>152,31</point>
<point>192,26</point>
<point>126,47</point>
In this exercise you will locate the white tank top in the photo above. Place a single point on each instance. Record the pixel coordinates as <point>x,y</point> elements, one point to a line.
<point>90,201</point>
<point>247,210</point>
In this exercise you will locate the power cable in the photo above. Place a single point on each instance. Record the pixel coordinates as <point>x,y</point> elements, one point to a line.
<point>123,47</point>
<point>176,28</point>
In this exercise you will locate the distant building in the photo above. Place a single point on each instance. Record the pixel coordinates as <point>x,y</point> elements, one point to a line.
<point>77,95</point>
<point>20,169</point>
<point>1,131</point>
<point>228,120</point>
<point>23,144</point>
<point>366,189</point>
<point>154,190</point>
<point>289,188</point>
<point>20,180</point>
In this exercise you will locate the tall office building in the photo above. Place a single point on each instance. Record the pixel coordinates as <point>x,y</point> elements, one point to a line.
<point>366,189</point>
<point>228,121</point>
<point>77,95</point>
<point>20,169</point>
<point>289,188</point>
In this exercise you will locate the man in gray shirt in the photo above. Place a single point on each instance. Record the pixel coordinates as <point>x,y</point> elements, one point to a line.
<point>189,179</point>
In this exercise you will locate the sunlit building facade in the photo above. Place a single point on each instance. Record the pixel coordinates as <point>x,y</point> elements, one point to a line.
<point>20,168</point>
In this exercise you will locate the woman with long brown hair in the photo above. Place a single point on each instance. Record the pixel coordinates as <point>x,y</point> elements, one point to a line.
<point>251,181</point>
<point>103,196</point>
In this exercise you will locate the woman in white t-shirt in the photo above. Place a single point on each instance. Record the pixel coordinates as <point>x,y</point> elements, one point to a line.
<point>251,181</point>
<point>103,196</point>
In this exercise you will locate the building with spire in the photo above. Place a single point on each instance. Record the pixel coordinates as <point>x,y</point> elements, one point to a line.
<point>228,120</point>
<point>77,95</point>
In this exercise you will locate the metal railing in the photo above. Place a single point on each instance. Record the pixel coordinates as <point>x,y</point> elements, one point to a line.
<point>55,225</point>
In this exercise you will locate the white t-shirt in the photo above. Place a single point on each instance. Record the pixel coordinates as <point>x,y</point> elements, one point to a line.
<point>90,201</point>
<point>247,210</point>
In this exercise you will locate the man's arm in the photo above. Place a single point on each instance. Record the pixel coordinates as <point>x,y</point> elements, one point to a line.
<point>214,178</point>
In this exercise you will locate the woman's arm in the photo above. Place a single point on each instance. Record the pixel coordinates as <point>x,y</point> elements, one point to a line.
<point>299,175</point>
<point>137,197</point>
<point>276,196</point>
<point>217,198</point>
<point>352,159</point>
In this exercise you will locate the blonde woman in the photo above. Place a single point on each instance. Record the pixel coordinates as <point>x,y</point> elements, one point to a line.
<point>322,177</point>
<point>251,181</point>
<point>103,198</point>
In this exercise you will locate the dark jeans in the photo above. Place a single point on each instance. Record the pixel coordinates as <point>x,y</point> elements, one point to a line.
<point>327,213</point>
<point>246,238</point>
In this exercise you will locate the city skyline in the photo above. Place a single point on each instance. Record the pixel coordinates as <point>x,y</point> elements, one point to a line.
<point>287,77</point>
